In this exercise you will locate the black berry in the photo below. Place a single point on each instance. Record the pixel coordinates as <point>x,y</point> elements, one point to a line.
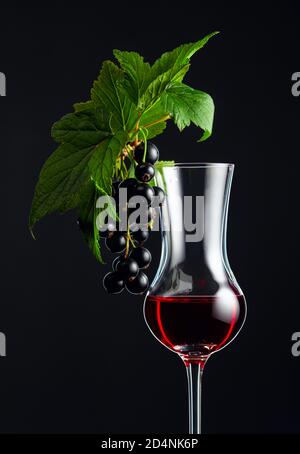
<point>159,197</point>
<point>140,216</point>
<point>149,215</point>
<point>108,231</point>
<point>127,268</point>
<point>140,236</point>
<point>115,262</point>
<point>113,283</point>
<point>142,257</point>
<point>152,153</point>
<point>116,242</point>
<point>139,285</point>
<point>129,184</point>
<point>144,190</point>
<point>144,172</point>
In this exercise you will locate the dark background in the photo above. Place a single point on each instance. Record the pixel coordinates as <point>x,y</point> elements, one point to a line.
<point>81,361</point>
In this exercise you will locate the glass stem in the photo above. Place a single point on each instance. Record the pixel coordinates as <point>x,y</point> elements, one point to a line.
<point>194,376</point>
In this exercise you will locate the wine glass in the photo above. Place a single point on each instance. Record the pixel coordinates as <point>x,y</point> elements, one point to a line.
<point>194,305</point>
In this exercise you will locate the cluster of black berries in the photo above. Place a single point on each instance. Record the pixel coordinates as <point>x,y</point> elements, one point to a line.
<point>128,267</point>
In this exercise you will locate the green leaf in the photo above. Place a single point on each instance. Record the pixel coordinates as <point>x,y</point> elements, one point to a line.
<point>80,106</point>
<point>102,163</point>
<point>107,94</point>
<point>171,67</point>
<point>153,122</point>
<point>153,131</point>
<point>178,57</point>
<point>160,164</point>
<point>187,105</point>
<point>131,171</point>
<point>61,180</point>
<point>87,217</point>
<point>83,128</point>
<point>137,74</point>
<point>110,205</point>
<point>85,152</point>
<point>86,207</point>
<point>159,85</point>
<point>124,100</point>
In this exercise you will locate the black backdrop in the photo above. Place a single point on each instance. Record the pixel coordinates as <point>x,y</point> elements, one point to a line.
<point>81,361</point>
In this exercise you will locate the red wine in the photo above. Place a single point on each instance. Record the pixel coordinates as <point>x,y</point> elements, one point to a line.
<point>195,326</point>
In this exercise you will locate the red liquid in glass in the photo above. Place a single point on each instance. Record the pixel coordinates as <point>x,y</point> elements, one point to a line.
<point>195,325</point>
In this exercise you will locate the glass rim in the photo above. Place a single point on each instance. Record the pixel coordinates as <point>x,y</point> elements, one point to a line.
<point>229,165</point>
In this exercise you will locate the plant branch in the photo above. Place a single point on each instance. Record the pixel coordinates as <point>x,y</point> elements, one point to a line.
<point>160,120</point>
<point>127,241</point>
<point>136,129</point>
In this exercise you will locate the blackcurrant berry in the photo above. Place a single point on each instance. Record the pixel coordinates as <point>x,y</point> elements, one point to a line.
<point>144,172</point>
<point>142,257</point>
<point>108,230</point>
<point>139,285</point>
<point>144,190</point>
<point>127,268</point>
<point>152,153</point>
<point>140,236</point>
<point>129,184</point>
<point>149,215</point>
<point>140,216</point>
<point>116,242</point>
<point>159,197</point>
<point>113,283</point>
<point>115,262</point>
<point>137,226</point>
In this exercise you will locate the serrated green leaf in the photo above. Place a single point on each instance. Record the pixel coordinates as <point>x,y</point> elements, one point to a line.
<point>135,98</point>
<point>80,106</point>
<point>83,128</point>
<point>153,131</point>
<point>160,178</point>
<point>107,94</point>
<point>159,85</point>
<point>110,204</point>
<point>85,152</point>
<point>187,105</point>
<point>160,164</point>
<point>87,217</point>
<point>178,57</point>
<point>131,171</point>
<point>171,67</point>
<point>102,163</point>
<point>86,207</point>
<point>61,180</point>
<point>137,74</point>
<point>153,121</point>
